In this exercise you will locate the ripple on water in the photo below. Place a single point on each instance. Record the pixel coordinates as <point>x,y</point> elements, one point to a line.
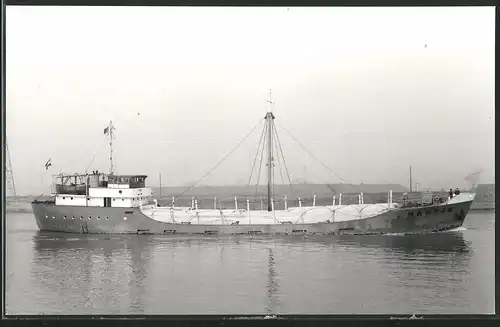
<point>447,272</point>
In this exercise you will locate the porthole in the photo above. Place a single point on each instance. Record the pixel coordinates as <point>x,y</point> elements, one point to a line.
<point>123,199</point>
<point>89,217</point>
<point>64,198</point>
<point>97,217</point>
<point>53,217</point>
<point>64,217</point>
<point>71,198</point>
<point>73,218</point>
<point>120,191</point>
<point>124,218</point>
<point>88,198</point>
<point>114,199</point>
<point>81,217</point>
<point>46,216</point>
<point>107,218</point>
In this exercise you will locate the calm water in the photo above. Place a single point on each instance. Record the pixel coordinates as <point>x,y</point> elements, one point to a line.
<point>54,273</point>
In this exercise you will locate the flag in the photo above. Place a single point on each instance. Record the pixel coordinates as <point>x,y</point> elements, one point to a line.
<point>48,164</point>
<point>106,130</point>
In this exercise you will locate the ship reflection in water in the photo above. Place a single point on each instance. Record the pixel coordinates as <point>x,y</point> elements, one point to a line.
<point>150,274</point>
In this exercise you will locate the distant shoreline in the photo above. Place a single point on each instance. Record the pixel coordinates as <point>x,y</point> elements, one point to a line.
<point>225,195</point>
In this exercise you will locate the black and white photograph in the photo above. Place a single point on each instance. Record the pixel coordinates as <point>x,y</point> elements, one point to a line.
<point>265,161</point>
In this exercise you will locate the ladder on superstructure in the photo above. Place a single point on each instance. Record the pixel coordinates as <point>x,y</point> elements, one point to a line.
<point>9,175</point>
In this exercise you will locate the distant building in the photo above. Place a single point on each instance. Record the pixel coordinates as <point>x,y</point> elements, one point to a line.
<point>485,197</point>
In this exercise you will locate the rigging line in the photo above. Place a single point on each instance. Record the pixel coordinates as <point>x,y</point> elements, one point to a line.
<point>278,156</point>
<point>272,178</point>
<point>319,161</point>
<point>256,155</point>
<point>225,157</point>
<point>271,164</point>
<point>49,186</point>
<point>284,161</point>
<point>260,164</point>
<point>95,155</point>
<point>273,172</point>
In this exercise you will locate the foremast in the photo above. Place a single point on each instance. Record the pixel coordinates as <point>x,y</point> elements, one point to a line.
<point>109,131</point>
<point>269,120</point>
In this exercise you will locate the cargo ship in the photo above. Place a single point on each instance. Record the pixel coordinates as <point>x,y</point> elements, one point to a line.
<point>110,203</point>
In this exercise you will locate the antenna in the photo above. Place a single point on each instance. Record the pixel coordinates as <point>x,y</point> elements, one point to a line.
<point>9,175</point>
<point>270,101</point>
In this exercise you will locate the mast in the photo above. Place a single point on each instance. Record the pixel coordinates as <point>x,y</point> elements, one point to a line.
<point>9,173</point>
<point>269,118</point>
<point>111,146</point>
<point>411,184</point>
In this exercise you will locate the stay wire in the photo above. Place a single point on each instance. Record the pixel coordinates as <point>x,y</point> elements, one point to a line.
<point>278,158</point>
<point>284,161</point>
<point>222,160</point>
<point>256,155</point>
<point>260,163</point>
<point>319,161</point>
<point>91,162</point>
<point>95,155</point>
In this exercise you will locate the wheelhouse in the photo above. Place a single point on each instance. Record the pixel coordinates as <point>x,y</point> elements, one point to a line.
<point>102,190</point>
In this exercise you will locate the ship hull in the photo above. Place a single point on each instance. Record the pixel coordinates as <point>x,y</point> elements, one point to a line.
<point>100,220</point>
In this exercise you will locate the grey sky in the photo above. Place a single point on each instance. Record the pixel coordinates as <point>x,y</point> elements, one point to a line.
<point>356,86</point>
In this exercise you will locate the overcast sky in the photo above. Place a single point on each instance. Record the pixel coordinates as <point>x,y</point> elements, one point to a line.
<point>370,91</point>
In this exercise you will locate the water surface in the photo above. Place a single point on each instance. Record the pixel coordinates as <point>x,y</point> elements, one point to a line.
<point>57,273</point>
